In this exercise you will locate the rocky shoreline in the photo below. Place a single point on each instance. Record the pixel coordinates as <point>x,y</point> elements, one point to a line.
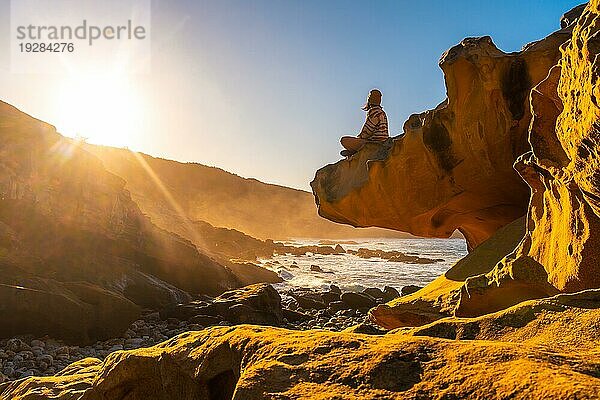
<point>298,309</point>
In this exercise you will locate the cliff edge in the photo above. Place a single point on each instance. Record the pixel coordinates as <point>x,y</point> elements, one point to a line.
<point>452,168</point>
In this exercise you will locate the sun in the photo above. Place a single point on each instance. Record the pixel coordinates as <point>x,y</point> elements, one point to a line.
<point>100,108</point>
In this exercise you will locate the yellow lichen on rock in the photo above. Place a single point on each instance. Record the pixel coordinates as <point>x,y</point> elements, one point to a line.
<point>249,362</point>
<point>69,384</point>
<point>560,250</point>
<point>573,263</point>
<point>546,322</point>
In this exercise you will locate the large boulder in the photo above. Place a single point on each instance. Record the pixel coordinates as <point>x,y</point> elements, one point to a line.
<point>253,304</point>
<point>358,300</point>
<point>308,299</point>
<point>262,302</point>
<point>76,311</point>
<point>453,166</point>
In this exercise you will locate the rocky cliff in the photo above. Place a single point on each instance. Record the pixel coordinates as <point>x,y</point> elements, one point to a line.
<point>77,256</point>
<point>222,199</point>
<point>453,166</point>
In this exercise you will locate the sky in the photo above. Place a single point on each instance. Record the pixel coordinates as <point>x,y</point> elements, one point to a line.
<point>264,89</point>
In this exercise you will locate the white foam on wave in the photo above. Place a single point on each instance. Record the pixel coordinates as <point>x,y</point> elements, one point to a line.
<point>353,273</point>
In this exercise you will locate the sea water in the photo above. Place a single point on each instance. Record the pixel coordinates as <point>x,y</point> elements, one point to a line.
<point>352,273</point>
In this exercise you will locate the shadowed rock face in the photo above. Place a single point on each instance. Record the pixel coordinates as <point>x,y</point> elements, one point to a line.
<point>77,256</point>
<point>453,166</point>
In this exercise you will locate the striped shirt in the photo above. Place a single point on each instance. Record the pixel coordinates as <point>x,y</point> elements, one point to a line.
<point>376,125</point>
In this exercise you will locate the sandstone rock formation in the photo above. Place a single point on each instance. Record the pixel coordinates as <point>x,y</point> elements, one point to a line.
<point>453,166</point>
<point>524,356</point>
<point>560,250</point>
<point>546,322</point>
<point>555,152</point>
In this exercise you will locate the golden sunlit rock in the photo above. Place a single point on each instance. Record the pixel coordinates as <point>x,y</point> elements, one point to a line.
<point>559,162</point>
<point>453,166</point>
<point>440,298</point>
<point>560,251</point>
<point>527,359</point>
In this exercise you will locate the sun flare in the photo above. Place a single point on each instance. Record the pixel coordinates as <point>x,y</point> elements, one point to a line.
<point>102,109</point>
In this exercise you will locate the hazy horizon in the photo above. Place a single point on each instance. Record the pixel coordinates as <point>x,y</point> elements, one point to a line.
<point>264,90</point>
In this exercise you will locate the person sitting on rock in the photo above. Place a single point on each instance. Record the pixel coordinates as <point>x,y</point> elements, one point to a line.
<point>375,128</point>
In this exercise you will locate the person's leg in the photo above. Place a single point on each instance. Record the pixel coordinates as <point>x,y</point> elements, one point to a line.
<point>352,143</point>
